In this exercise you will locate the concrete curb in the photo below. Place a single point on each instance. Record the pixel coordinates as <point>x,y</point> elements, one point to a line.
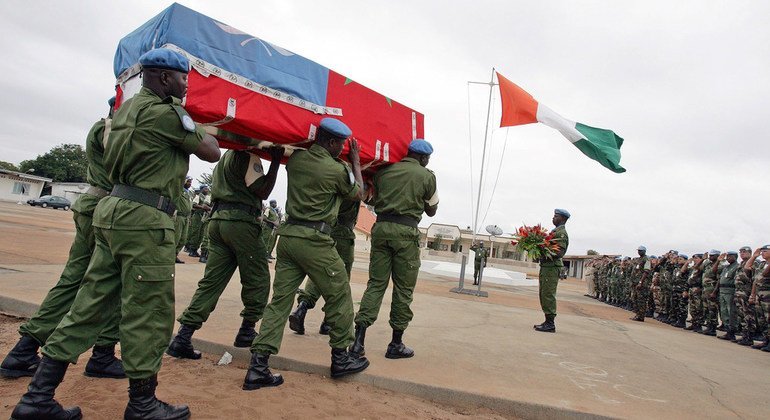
<point>448,396</point>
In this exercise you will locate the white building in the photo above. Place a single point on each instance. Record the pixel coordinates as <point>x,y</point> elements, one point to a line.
<point>17,186</point>
<point>69,190</point>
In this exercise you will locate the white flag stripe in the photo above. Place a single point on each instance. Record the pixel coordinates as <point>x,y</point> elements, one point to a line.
<point>546,116</point>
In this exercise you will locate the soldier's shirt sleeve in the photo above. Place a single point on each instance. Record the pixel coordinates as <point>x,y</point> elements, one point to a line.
<point>431,192</point>
<point>175,127</point>
<point>249,166</point>
<point>346,182</point>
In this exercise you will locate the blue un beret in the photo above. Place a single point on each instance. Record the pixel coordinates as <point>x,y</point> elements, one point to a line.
<point>684,256</point>
<point>732,253</point>
<point>745,248</point>
<point>562,212</point>
<point>336,128</point>
<point>714,252</point>
<point>641,248</point>
<point>163,58</point>
<point>420,146</point>
<point>765,248</point>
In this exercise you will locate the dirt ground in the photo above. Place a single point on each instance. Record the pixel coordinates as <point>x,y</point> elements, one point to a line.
<point>35,235</point>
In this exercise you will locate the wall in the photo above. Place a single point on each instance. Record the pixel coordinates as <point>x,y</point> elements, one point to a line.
<point>7,182</point>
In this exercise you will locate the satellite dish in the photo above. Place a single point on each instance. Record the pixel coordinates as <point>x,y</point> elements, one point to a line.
<point>494,230</point>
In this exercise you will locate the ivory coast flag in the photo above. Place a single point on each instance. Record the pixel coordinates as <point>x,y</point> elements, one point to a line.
<point>519,107</point>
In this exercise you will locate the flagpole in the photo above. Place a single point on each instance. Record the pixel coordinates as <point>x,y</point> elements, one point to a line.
<point>483,157</point>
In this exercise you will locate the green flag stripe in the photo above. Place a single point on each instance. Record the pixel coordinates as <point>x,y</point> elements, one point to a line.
<point>600,145</point>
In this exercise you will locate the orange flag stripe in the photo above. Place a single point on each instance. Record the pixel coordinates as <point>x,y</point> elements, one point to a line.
<point>519,107</point>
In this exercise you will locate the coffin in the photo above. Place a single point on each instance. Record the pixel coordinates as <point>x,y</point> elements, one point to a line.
<point>250,93</point>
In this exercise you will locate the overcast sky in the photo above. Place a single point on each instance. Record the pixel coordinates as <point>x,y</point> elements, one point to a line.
<point>685,84</point>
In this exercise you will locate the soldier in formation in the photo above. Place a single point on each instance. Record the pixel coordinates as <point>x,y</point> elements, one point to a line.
<point>714,291</point>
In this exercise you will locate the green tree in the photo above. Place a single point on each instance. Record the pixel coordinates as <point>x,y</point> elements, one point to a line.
<point>8,166</point>
<point>205,178</point>
<point>591,252</point>
<point>456,244</point>
<point>63,163</point>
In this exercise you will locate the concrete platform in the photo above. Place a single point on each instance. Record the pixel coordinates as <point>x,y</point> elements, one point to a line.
<point>483,351</point>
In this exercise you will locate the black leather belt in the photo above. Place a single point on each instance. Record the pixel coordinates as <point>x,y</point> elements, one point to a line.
<point>397,218</point>
<point>221,205</point>
<point>322,227</point>
<point>97,192</point>
<point>142,196</point>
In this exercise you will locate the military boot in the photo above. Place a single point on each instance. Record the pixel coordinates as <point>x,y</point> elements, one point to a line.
<point>729,336</point>
<point>358,345</point>
<point>536,326</point>
<point>548,325</point>
<point>759,346</point>
<point>22,360</point>
<point>346,363</point>
<point>143,405</point>
<point>258,375</point>
<point>38,402</point>
<point>680,323</point>
<point>745,341</point>
<point>690,327</point>
<point>722,327</point>
<point>710,331</point>
<point>204,256</point>
<point>104,364</point>
<point>246,334</point>
<point>396,348</point>
<point>181,346</point>
<point>194,253</point>
<point>324,329</point>
<point>297,319</point>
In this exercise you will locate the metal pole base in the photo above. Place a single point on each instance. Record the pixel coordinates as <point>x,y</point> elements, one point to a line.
<point>474,292</point>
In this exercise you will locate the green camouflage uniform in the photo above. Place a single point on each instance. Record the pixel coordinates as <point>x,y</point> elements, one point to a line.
<point>727,311</point>
<point>60,298</point>
<point>678,287</point>
<point>709,281</point>
<point>403,189</point>
<point>317,184</point>
<point>763,298</point>
<point>695,283</point>
<point>745,311</point>
<point>234,233</point>
<point>642,274</point>
<point>133,262</point>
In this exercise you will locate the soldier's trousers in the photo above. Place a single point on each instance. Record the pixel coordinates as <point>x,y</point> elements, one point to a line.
<point>710,307</point>
<point>181,224</point>
<point>396,258</point>
<point>195,231</point>
<point>657,298</point>
<point>60,298</point>
<point>727,311</point>
<point>205,234</point>
<point>760,315</point>
<point>271,243</point>
<point>764,302</point>
<point>133,269</point>
<point>678,308</point>
<point>696,306</point>
<point>665,298</point>
<point>548,282</point>
<point>642,299</point>
<point>745,312</point>
<point>476,269</point>
<point>267,233</point>
<point>317,259</point>
<point>234,244</point>
<point>346,250</point>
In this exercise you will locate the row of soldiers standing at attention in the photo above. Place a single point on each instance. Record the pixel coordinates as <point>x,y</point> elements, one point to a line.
<point>731,287</point>
<point>118,283</point>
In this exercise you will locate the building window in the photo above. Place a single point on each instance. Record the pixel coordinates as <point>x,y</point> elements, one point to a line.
<point>21,188</point>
